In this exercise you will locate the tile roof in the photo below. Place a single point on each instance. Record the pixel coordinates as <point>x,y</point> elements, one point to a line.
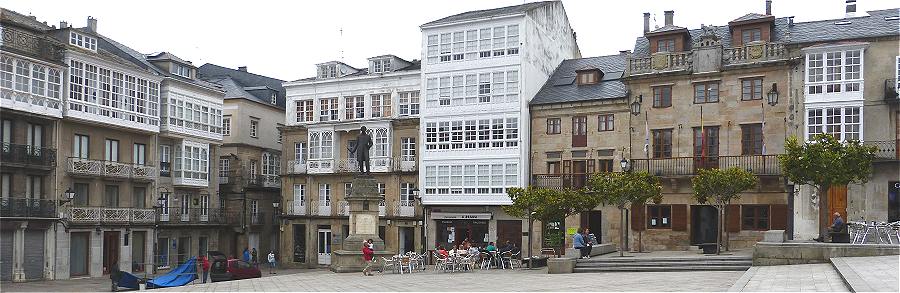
<point>666,29</point>
<point>561,87</point>
<point>509,10</point>
<point>751,16</point>
<point>245,80</point>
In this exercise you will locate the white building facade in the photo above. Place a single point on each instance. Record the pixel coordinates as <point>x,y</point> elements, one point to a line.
<point>479,71</point>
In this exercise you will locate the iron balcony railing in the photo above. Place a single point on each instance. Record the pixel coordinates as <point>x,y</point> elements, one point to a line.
<point>28,155</point>
<point>560,181</point>
<point>91,167</point>
<point>685,166</point>
<point>887,150</point>
<point>378,165</point>
<point>195,216</point>
<point>165,169</point>
<point>106,215</point>
<point>18,207</point>
<point>264,181</point>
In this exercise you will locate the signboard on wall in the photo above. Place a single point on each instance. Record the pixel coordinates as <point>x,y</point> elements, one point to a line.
<point>460,216</point>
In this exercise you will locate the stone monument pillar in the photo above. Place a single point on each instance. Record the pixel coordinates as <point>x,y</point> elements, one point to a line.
<point>363,200</point>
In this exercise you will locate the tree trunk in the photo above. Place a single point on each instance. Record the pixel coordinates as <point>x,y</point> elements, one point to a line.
<point>823,211</point>
<point>622,236</point>
<point>640,240</point>
<point>721,228</point>
<point>725,237</point>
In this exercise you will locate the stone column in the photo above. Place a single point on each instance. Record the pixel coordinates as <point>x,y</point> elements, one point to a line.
<point>96,263</point>
<point>49,253</point>
<point>62,266</point>
<point>19,252</point>
<point>125,251</point>
<point>363,200</point>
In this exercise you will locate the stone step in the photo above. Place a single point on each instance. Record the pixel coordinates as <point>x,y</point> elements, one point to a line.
<point>666,259</point>
<point>660,269</point>
<point>743,263</point>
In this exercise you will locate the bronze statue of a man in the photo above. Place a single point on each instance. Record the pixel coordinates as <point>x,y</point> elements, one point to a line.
<point>363,144</point>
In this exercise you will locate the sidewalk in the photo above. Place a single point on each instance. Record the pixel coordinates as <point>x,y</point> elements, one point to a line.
<point>98,284</point>
<point>843,274</point>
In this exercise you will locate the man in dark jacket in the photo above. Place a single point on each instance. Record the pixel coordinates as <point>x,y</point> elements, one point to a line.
<point>114,275</point>
<point>363,144</point>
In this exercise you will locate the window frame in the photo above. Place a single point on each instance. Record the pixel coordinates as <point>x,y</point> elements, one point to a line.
<point>752,139</point>
<point>606,122</point>
<point>660,99</point>
<point>226,125</point>
<point>254,127</point>
<point>305,111</point>
<point>662,213</point>
<point>554,126</point>
<point>752,88</point>
<point>707,89</point>
<point>752,213</point>
<point>755,35</point>
<point>669,45</point>
<point>662,143</point>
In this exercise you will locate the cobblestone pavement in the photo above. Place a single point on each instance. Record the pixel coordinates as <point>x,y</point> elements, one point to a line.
<point>478,281</point>
<point>793,278</point>
<point>871,273</point>
<point>86,284</point>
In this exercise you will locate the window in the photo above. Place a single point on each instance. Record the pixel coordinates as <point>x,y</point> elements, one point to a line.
<point>140,154</point>
<point>5,185</point>
<point>328,109</point>
<point>96,90</point>
<point>408,149</point>
<point>82,194</point>
<point>606,122</point>
<point>553,167</point>
<point>163,256</point>
<point>165,159</point>
<point>226,125</point>
<point>320,145</point>
<point>81,146</point>
<point>604,165</point>
<point>579,131</point>
<point>348,189</point>
<point>553,126</point>
<point>381,66</point>
<point>588,77</point>
<point>755,217</point>
<point>407,198</point>
<point>470,134</point>
<point>662,143</point>
<point>299,197</point>
<point>192,160</point>
<point>751,139</point>
<point>659,216</point>
<point>328,71</point>
<point>665,45</point>
<point>181,70</point>
<point>355,107</point>
<point>34,186</point>
<point>300,151</point>
<point>470,179</point>
<point>111,196</point>
<point>495,87</point>
<point>707,92</point>
<point>409,103</point>
<point>274,99</point>
<point>472,44</point>
<point>83,41</point>
<point>711,141</point>
<point>270,164</point>
<point>6,132</point>
<point>750,35</point>
<point>324,194</point>
<point>254,207</point>
<point>834,72</point>
<point>381,105</point>
<point>112,150</point>
<point>224,167</point>
<point>254,127</point>
<point>280,136</point>
<point>751,89</point>
<point>192,112</point>
<point>662,96</point>
<point>305,111</point>
<point>844,123</point>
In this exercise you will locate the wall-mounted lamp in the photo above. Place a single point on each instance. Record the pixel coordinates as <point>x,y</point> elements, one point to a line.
<point>67,197</point>
<point>772,95</point>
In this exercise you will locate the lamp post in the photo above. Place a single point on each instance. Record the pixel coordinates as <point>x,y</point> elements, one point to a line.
<point>624,234</point>
<point>530,231</point>
<point>161,203</point>
<point>418,198</point>
<point>636,107</point>
<point>276,204</point>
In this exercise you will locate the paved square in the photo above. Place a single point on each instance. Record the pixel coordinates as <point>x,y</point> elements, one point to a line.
<point>794,278</point>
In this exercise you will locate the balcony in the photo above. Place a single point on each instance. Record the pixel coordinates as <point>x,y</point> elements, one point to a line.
<point>320,208</point>
<point>887,150</point>
<point>761,165</point>
<point>295,167</point>
<point>27,208</point>
<point>190,178</point>
<point>660,62</point>
<point>378,165</point>
<point>258,218</point>
<point>264,181</point>
<point>192,216</point>
<point>404,208</point>
<point>192,131</point>
<point>296,208</point>
<point>110,169</point>
<point>165,169</point>
<point>559,181</point>
<point>891,87</point>
<point>344,208</point>
<point>754,52</point>
<point>104,215</point>
<point>31,103</point>
<point>28,156</point>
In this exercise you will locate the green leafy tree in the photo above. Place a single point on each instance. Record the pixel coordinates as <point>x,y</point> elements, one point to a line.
<point>719,187</point>
<point>545,205</point>
<point>824,162</point>
<point>624,189</point>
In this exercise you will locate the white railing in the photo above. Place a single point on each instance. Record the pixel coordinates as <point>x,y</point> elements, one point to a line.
<point>189,131</point>
<point>185,216</point>
<point>112,215</point>
<point>163,217</point>
<point>321,208</point>
<point>407,166</point>
<point>179,178</point>
<point>296,208</point>
<point>92,167</point>
<point>320,166</point>
<point>115,214</point>
<point>270,181</point>
<point>112,116</point>
<point>382,209</point>
<point>85,166</point>
<point>143,215</point>
<point>296,167</point>
<point>344,208</point>
<point>116,169</point>
<point>31,103</point>
<point>143,172</point>
<point>379,164</point>
<point>405,208</point>
<point>85,214</point>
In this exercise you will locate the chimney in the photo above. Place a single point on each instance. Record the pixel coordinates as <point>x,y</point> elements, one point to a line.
<point>63,24</point>
<point>669,15</point>
<point>242,68</point>
<point>646,22</point>
<point>790,21</point>
<point>851,9</point>
<point>768,7</point>
<point>92,24</point>
<point>625,52</point>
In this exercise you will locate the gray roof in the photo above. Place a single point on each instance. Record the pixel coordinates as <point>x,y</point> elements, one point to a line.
<point>666,29</point>
<point>873,25</point>
<point>487,13</point>
<point>414,65</point>
<point>780,33</point>
<point>751,16</point>
<point>250,83</point>
<point>561,87</point>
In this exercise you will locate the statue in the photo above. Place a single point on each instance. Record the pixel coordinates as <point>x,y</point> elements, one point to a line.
<point>363,144</point>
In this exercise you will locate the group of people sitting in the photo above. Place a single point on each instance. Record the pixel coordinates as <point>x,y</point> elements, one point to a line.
<point>467,247</point>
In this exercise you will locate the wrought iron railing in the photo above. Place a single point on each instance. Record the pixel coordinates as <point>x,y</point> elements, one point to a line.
<point>165,169</point>
<point>560,181</point>
<point>350,165</point>
<point>111,215</point>
<point>18,207</point>
<point>90,167</point>
<point>264,181</point>
<point>179,216</point>
<point>755,52</point>
<point>887,150</point>
<point>678,166</point>
<point>27,155</point>
<point>257,218</point>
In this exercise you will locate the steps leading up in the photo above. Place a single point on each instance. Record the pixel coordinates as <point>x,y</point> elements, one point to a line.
<point>664,264</point>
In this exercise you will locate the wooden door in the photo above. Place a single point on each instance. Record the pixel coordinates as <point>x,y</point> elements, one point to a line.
<point>579,169</point>
<point>837,202</point>
<point>579,131</point>
<point>110,250</point>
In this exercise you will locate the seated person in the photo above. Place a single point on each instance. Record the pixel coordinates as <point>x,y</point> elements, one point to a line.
<point>473,250</point>
<point>838,224</point>
<point>490,247</point>
<point>443,252</point>
<point>506,247</point>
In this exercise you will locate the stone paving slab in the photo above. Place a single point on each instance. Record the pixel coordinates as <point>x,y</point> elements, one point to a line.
<point>478,281</point>
<point>85,284</point>
<point>791,278</point>
<point>870,273</point>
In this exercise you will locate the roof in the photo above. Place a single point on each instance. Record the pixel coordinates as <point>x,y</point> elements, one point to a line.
<point>751,16</point>
<point>666,28</point>
<point>780,33</point>
<point>561,87</point>
<point>414,65</point>
<point>168,56</point>
<point>872,25</point>
<point>143,60</point>
<point>487,13</point>
<point>248,82</point>
<point>30,21</point>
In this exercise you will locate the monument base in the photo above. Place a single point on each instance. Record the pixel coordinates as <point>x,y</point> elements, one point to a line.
<point>350,261</point>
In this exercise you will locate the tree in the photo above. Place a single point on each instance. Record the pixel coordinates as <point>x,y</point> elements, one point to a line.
<point>622,189</point>
<point>544,204</point>
<point>824,162</point>
<point>720,187</point>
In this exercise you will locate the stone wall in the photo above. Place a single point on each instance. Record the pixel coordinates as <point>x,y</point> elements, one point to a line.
<point>769,254</point>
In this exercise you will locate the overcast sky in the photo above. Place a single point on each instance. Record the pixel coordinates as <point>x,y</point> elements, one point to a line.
<point>285,39</point>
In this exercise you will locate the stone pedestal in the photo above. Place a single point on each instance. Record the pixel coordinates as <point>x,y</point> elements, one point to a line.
<point>363,201</point>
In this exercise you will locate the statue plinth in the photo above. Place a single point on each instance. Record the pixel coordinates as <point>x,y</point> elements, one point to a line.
<point>363,200</point>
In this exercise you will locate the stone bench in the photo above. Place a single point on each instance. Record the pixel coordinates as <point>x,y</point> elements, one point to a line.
<point>562,265</point>
<point>596,249</point>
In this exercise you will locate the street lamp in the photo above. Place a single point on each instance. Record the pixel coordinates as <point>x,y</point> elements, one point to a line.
<point>68,196</point>
<point>636,106</point>
<point>624,165</point>
<point>418,198</point>
<point>772,95</point>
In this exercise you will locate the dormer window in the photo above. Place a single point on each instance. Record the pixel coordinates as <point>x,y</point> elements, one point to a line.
<point>665,45</point>
<point>83,41</point>
<point>381,66</point>
<point>328,71</point>
<point>274,99</point>
<point>586,77</point>
<point>181,70</point>
<point>751,35</point>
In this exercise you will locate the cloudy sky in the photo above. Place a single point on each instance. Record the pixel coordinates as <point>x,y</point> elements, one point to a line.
<point>284,39</point>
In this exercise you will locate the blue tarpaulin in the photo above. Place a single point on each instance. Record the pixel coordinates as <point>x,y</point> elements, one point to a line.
<point>180,276</point>
<point>128,280</point>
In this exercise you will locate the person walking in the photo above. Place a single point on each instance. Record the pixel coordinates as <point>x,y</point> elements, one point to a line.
<point>368,253</point>
<point>246,255</point>
<point>204,262</point>
<point>115,274</point>
<point>271,259</point>
<point>254,257</point>
<point>578,242</point>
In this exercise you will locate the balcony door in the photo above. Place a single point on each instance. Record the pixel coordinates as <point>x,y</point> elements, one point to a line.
<point>6,133</point>
<point>579,169</point>
<point>35,139</point>
<point>204,208</point>
<point>299,198</point>
<point>706,147</point>
<point>139,197</point>
<point>112,150</point>
<point>579,131</point>
<point>81,146</point>
<point>164,206</point>
<point>185,207</point>
<point>111,196</point>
